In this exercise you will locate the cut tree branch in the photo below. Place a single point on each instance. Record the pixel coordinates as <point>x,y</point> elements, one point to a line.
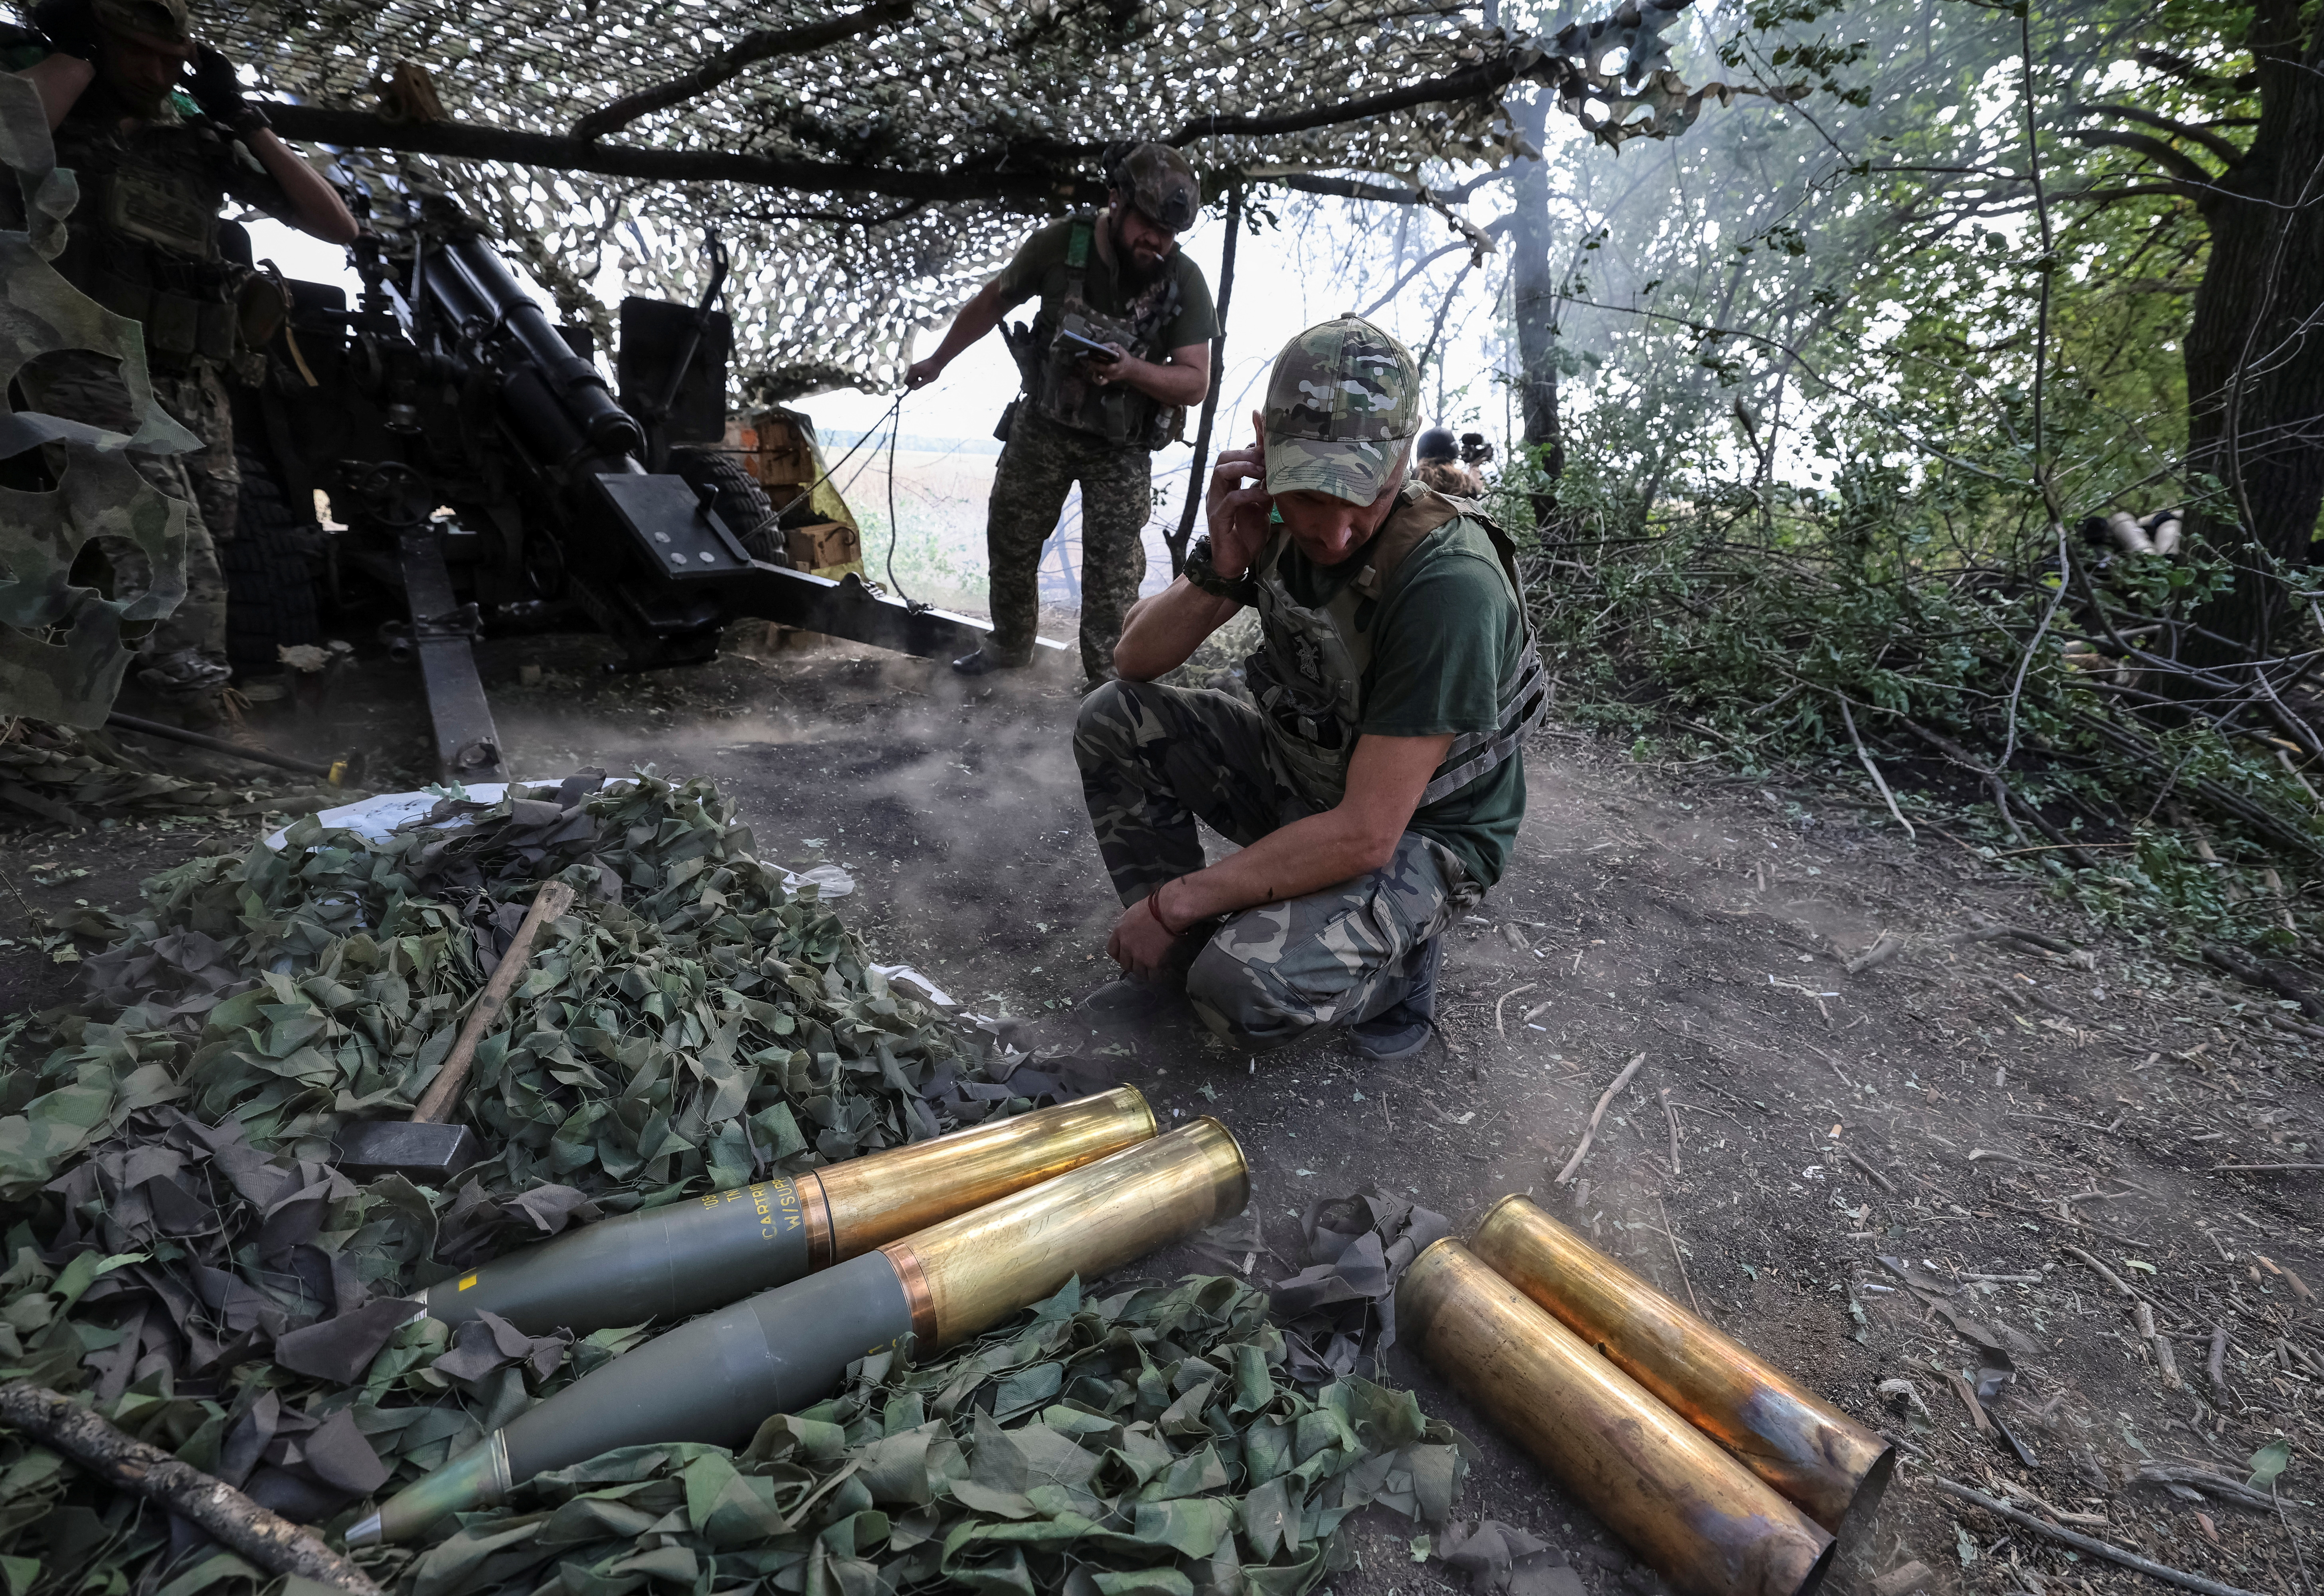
<point>759,44</point>
<point>2220,147</point>
<point>1483,79</point>
<point>215,1508</point>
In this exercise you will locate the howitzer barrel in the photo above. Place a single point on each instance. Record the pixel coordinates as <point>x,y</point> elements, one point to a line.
<point>579,391</point>
<point>683,1258</point>
<point>1808,1450</point>
<point>718,1378</point>
<point>1692,1513</point>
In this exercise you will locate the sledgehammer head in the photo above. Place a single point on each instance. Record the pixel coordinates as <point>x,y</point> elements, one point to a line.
<point>425,1154</point>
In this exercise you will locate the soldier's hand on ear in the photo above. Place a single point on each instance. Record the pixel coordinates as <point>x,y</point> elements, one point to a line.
<point>70,25</point>
<point>1238,506</point>
<point>217,89</point>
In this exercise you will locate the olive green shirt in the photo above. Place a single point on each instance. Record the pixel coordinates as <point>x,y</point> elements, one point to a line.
<point>1448,636</point>
<point>1039,268</point>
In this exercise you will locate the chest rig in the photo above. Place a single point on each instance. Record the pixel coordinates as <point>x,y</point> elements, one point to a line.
<point>1061,389</point>
<point>1307,677</point>
<point>144,238</point>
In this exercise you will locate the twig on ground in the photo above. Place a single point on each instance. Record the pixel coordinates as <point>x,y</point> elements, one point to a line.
<point>1597,1114</point>
<point>211,1505</point>
<point>2265,978</point>
<point>1512,991</point>
<point>1872,770</point>
<point>2164,1358</point>
<point>1677,1257</point>
<point>1889,945</point>
<point>2106,1274</point>
<point>1671,1115</point>
<point>1871,1174</point>
<point>2223,1169</point>
<point>2083,1543</point>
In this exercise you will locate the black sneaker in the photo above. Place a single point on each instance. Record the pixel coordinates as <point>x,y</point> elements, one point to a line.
<point>978,662</point>
<point>1404,1026</point>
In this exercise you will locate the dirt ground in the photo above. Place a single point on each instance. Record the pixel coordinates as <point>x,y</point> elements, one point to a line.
<point>2000,1121</point>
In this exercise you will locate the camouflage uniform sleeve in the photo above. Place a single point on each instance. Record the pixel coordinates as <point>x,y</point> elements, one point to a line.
<point>1020,279</point>
<point>248,183</point>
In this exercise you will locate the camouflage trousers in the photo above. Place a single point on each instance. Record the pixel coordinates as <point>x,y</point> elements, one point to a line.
<point>1038,466</point>
<point>1154,761</point>
<point>185,653</point>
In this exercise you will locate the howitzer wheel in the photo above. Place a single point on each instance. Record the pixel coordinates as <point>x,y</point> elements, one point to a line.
<point>269,565</point>
<point>738,499</point>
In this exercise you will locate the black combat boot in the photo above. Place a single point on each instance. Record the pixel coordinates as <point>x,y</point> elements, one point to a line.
<point>1403,1028</point>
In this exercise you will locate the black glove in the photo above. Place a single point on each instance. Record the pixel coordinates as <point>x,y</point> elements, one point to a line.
<point>218,92</point>
<point>70,25</point>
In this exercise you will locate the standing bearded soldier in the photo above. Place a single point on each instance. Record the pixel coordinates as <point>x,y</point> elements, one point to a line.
<point>1120,347</point>
<point>144,242</point>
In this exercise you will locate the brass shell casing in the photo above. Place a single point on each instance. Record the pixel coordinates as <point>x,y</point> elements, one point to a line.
<point>1808,1450</point>
<point>870,1201</point>
<point>967,1274</point>
<point>1695,1515</point>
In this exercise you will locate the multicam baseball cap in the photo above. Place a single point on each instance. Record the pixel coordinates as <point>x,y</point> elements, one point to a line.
<point>165,22</point>
<point>1342,406</point>
<point>1160,183</point>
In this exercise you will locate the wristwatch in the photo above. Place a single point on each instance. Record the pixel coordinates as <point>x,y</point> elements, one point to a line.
<point>1204,574</point>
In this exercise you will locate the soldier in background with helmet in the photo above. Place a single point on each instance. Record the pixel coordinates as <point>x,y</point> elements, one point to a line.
<point>1120,347</point>
<point>1440,465</point>
<point>144,241</point>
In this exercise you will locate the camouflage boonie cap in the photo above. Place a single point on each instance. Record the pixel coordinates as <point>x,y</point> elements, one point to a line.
<point>1160,182</point>
<point>1342,405</point>
<point>165,22</point>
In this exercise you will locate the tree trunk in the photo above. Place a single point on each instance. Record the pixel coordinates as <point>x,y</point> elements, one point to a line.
<point>2255,354</point>
<point>1197,481</point>
<point>1532,306</point>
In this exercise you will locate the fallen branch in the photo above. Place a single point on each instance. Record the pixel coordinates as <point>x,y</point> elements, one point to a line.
<point>1872,770</point>
<point>1871,1174</point>
<point>2164,1358</point>
<point>2106,1274</point>
<point>2266,977</point>
<point>1512,991</point>
<point>1597,1114</point>
<point>1886,948</point>
<point>217,1509</point>
<point>2083,1543</point>
<point>2196,1478</point>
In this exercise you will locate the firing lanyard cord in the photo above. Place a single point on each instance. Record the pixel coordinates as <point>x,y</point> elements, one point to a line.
<point>802,496</point>
<point>910,603</point>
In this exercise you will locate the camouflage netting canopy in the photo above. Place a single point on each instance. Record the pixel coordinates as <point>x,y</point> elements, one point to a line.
<point>868,169</point>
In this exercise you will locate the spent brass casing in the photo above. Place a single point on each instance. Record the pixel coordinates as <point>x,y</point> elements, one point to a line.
<point>1808,1450</point>
<point>687,1257</point>
<point>719,1377</point>
<point>1695,1515</point>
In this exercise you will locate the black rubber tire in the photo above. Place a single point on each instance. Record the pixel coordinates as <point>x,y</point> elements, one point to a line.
<point>741,502</point>
<point>269,570</point>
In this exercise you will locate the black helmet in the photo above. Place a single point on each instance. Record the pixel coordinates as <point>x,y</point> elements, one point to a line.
<point>1437,443</point>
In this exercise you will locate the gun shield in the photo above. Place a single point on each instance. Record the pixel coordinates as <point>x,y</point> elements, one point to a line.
<point>718,1378</point>
<point>1808,1450</point>
<point>683,1258</point>
<point>1694,1514</point>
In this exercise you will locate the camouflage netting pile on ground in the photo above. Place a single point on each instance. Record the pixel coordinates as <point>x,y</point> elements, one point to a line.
<point>179,1249</point>
<point>61,776</point>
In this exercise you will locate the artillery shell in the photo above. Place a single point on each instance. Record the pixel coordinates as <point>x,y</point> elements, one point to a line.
<point>1690,1511</point>
<point>670,1263</point>
<point>718,1378</point>
<point>1808,1450</point>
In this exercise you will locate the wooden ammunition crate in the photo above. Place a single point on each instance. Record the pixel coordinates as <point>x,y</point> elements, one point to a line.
<point>824,546</point>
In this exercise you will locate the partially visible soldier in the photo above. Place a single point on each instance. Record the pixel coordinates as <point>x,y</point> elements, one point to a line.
<point>158,149</point>
<point>1120,347</point>
<point>1440,465</point>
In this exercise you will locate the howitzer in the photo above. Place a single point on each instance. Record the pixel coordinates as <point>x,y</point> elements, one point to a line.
<point>685,1257</point>
<point>717,1379</point>
<point>448,390</point>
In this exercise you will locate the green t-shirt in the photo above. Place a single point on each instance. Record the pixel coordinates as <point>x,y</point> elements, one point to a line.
<point>1448,638</point>
<point>1039,268</point>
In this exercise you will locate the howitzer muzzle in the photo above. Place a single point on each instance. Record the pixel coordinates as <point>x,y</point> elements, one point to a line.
<point>1808,1450</point>
<point>718,1378</point>
<point>686,1258</point>
<point>578,387</point>
<point>1692,1513</point>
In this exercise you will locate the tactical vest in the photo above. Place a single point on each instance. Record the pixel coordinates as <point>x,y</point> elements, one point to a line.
<point>1060,386</point>
<point>1307,677</point>
<point>144,241</point>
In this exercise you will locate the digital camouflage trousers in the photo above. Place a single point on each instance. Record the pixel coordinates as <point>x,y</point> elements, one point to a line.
<point>1155,760</point>
<point>1038,466</point>
<point>185,653</point>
